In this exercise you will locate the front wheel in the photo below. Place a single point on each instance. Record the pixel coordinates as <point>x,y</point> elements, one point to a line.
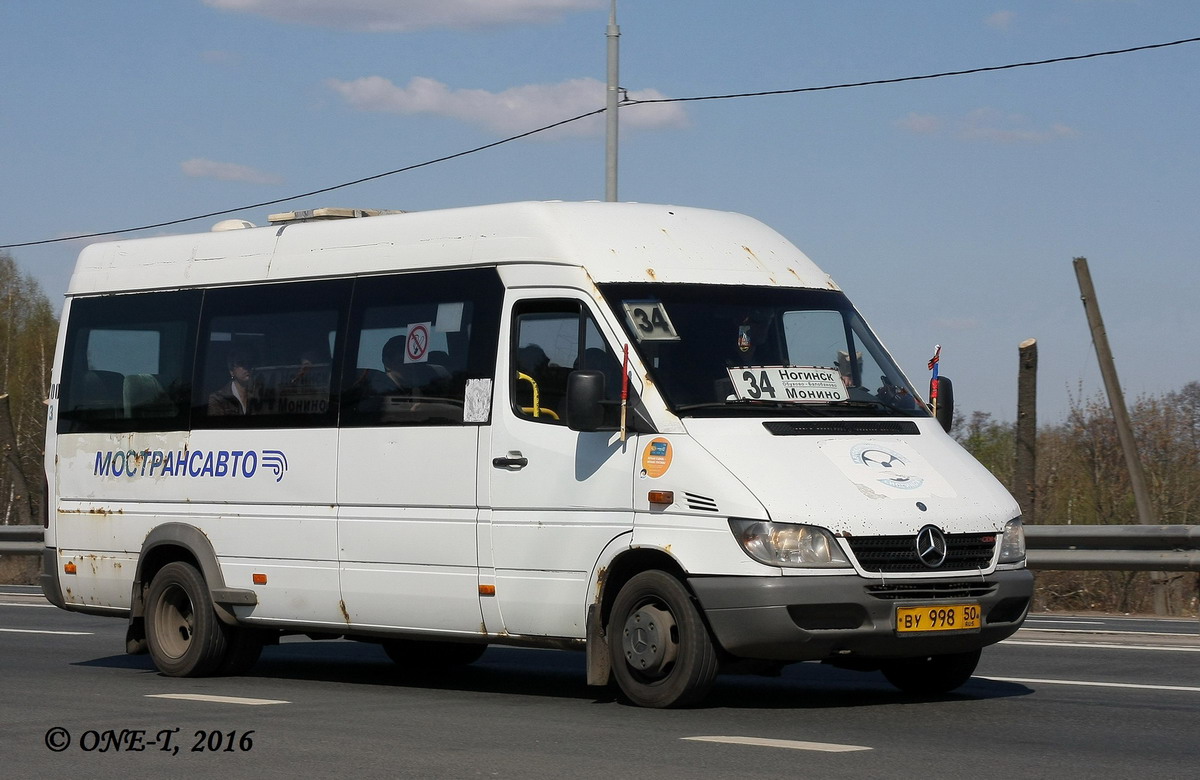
<point>661,650</point>
<point>931,674</point>
<point>183,633</point>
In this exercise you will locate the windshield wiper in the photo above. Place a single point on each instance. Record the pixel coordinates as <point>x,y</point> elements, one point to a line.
<point>752,404</point>
<point>866,405</point>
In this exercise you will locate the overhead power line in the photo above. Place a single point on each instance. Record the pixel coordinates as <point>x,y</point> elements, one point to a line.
<point>626,102</point>
<point>902,79</point>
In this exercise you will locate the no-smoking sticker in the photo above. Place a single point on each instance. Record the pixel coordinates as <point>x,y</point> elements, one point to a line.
<point>416,346</point>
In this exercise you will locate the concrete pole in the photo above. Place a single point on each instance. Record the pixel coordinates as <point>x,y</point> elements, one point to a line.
<point>1025,473</point>
<point>610,113</point>
<point>1116,400</point>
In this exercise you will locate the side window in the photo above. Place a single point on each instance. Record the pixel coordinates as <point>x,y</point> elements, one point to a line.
<point>267,355</point>
<point>551,338</point>
<point>127,363</point>
<point>422,349</point>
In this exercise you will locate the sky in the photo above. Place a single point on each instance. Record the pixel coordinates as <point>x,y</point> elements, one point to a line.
<point>948,209</point>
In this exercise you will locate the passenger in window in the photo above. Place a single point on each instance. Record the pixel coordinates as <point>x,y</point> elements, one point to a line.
<point>239,396</point>
<point>311,373</point>
<point>411,378</point>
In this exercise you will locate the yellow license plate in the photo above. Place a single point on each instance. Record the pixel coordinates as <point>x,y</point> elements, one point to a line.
<point>942,617</point>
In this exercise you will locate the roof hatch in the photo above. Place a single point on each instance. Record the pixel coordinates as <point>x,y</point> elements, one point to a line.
<point>317,215</point>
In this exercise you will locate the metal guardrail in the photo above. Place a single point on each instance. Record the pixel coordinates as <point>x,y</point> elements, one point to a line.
<point>1051,547</point>
<point>1113,547</point>
<point>21,540</point>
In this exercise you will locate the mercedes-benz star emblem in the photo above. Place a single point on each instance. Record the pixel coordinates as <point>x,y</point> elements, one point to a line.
<point>931,547</point>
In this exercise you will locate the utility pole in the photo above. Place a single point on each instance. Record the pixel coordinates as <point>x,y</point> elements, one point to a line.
<point>1116,400</point>
<point>610,113</point>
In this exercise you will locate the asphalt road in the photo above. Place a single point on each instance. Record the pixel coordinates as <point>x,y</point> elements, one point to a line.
<point>1065,698</point>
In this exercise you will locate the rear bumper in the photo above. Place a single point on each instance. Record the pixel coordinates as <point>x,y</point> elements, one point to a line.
<point>48,579</point>
<point>848,617</point>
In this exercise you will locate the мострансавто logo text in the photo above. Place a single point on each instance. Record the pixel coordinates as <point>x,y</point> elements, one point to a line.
<point>236,464</point>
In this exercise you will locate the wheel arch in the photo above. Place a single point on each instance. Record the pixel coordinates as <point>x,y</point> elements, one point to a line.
<point>172,542</point>
<point>623,565</point>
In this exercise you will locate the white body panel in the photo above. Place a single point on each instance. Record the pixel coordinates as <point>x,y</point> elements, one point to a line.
<point>406,528</point>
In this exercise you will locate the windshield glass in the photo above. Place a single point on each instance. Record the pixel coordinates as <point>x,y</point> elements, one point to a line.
<point>715,350</point>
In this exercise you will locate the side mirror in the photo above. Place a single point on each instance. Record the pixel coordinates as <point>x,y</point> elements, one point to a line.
<point>944,392</point>
<point>585,391</point>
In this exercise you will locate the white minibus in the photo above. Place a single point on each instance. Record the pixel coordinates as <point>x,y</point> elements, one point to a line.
<point>660,435</point>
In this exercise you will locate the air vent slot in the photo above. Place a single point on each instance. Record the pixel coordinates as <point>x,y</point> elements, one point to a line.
<point>700,503</point>
<point>926,591</point>
<point>843,428</point>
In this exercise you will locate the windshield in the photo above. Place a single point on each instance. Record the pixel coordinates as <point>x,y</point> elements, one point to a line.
<point>717,350</point>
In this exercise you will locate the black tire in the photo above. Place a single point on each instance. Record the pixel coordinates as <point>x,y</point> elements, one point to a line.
<point>662,654</point>
<point>932,674</point>
<point>417,655</point>
<point>183,633</point>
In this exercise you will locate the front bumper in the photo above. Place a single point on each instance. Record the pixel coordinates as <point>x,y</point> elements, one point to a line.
<point>850,617</point>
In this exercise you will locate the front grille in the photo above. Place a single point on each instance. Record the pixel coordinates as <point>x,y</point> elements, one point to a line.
<point>894,554</point>
<point>925,591</point>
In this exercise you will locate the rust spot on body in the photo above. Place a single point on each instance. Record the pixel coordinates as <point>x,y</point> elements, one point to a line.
<point>345,614</point>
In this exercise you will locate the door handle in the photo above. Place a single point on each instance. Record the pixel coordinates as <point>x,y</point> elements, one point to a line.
<point>514,460</point>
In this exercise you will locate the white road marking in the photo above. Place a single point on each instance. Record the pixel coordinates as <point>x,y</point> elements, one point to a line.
<point>1115,633</point>
<point>35,631</point>
<point>217,699</point>
<point>26,604</point>
<point>825,747</point>
<point>1095,645</point>
<point>1068,622</point>
<point>1092,683</point>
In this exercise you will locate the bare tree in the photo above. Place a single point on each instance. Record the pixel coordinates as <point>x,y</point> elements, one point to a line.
<point>28,329</point>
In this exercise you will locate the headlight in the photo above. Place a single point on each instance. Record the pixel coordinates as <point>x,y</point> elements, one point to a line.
<point>1012,545</point>
<point>788,544</point>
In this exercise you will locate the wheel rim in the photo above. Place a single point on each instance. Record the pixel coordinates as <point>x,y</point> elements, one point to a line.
<point>174,622</point>
<point>650,641</point>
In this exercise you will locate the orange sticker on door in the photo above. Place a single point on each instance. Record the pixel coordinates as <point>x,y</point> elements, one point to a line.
<point>656,458</point>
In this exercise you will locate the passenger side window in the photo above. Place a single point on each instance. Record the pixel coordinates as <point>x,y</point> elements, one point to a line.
<point>127,363</point>
<point>422,348</point>
<point>267,355</point>
<point>552,338</point>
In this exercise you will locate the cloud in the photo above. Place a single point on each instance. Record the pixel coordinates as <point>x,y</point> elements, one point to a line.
<point>1001,20</point>
<point>512,111</point>
<point>200,168</point>
<point>987,125</point>
<point>920,124</point>
<point>407,15</point>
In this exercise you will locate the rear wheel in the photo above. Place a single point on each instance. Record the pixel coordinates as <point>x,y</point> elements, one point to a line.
<point>416,655</point>
<point>183,634</point>
<point>931,674</point>
<point>661,651</point>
